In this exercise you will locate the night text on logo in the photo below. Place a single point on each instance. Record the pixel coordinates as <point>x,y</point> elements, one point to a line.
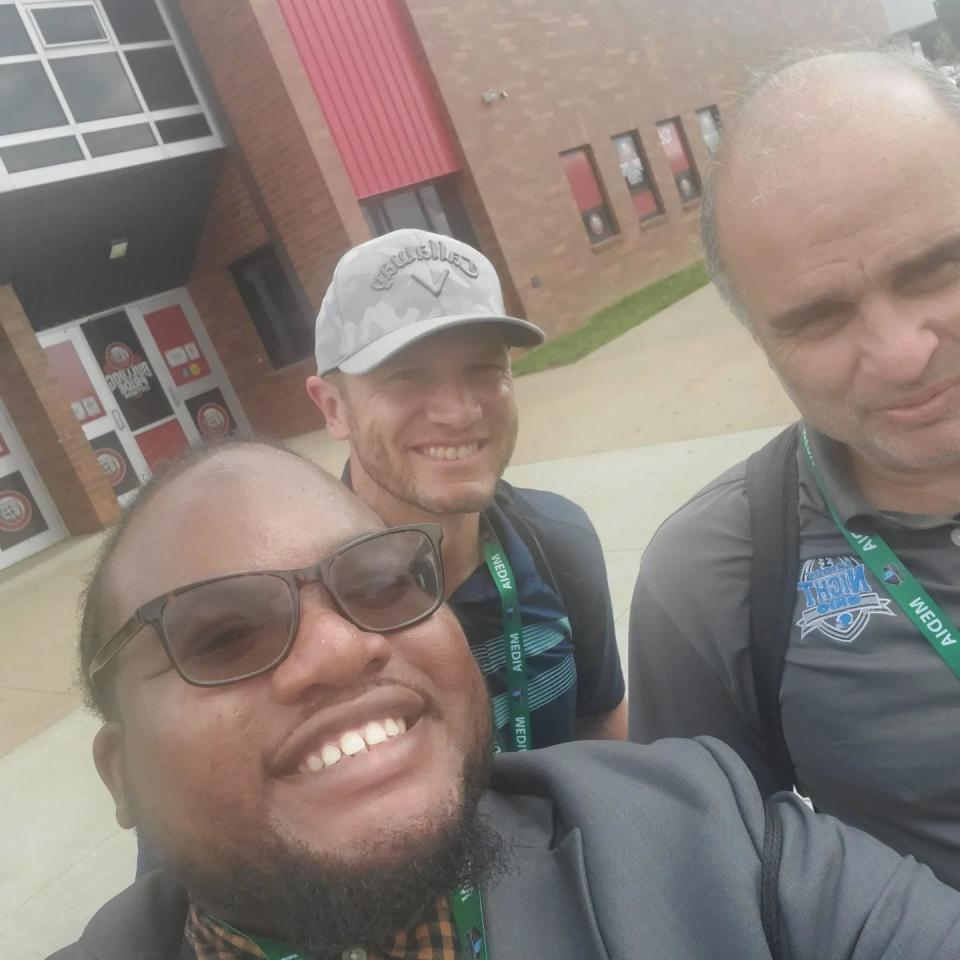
<point>838,598</point>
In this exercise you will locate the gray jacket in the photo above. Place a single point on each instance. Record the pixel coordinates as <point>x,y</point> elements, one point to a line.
<point>655,852</point>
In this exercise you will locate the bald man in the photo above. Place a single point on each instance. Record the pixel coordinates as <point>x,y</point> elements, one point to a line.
<point>804,607</point>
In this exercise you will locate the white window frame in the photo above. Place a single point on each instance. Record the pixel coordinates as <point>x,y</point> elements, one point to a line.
<point>59,5</point>
<point>89,164</point>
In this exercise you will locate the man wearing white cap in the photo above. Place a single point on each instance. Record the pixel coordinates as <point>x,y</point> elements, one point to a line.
<point>414,371</point>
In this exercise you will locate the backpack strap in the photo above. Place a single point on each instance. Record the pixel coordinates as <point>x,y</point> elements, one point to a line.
<point>769,879</point>
<point>772,488</point>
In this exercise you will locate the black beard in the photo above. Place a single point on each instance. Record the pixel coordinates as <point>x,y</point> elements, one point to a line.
<point>323,907</point>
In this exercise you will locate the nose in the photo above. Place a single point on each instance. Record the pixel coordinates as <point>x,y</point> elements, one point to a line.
<point>899,341</point>
<point>454,404</point>
<point>328,652</point>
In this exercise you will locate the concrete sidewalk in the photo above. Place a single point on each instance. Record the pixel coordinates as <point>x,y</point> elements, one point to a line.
<point>629,433</point>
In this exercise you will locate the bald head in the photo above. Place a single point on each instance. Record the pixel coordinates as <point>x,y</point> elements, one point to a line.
<point>243,505</point>
<point>804,117</point>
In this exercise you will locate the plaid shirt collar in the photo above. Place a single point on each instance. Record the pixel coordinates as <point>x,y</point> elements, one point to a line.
<point>434,939</point>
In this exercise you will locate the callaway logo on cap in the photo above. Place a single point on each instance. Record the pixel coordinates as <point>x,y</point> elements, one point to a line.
<point>397,289</point>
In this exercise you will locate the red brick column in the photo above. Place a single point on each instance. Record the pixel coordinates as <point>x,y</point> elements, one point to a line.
<point>54,440</point>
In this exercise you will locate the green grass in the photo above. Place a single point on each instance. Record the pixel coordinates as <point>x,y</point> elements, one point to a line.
<point>613,321</point>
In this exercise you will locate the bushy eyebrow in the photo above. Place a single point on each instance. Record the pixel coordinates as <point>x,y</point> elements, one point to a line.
<point>798,317</point>
<point>937,255</point>
<point>823,308</point>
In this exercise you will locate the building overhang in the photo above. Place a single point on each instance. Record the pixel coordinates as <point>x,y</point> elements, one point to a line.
<point>57,238</point>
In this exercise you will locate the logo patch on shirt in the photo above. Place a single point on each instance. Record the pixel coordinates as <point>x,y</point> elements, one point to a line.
<point>839,598</point>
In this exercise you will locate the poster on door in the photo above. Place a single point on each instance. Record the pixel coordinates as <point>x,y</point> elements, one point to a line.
<point>211,415</point>
<point>20,517</point>
<point>77,388</point>
<point>174,337</point>
<point>114,463</point>
<point>128,373</point>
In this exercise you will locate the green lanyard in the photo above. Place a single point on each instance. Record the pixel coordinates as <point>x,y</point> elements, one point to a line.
<point>516,657</point>
<point>465,903</point>
<point>918,606</point>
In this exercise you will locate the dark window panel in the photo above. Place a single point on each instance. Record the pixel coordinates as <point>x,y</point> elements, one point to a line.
<point>404,210</point>
<point>44,153</point>
<point>677,151</point>
<point>588,195</point>
<point>183,128</point>
<point>135,21</point>
<point>95,87</point>
<point>68,25</point>
<point>709,118</point>
<point>161,77</point>
<point>431,203</point>
<point>27,101</point>
<point>14,40</point>
<point>285,329</point>
<point>119,140</point>
<point>636,175</point>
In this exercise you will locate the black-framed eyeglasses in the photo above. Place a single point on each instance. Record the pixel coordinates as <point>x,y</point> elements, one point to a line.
<point>238,626</point>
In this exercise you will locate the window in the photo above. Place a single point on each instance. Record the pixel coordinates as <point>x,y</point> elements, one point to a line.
<point>14,41</point>
<point>135,21</point>
<point>418,208</point>
<point>102,76</point>
<point>595,213</point>
<point>27,101</point>
<point>709,118</point>
<point>119,140</point>
<point>275,307</point>
<point>636,174</point>
<point>73,24</point>
<point>183,128</point>
<point>677,151</point>
<point>95,87</point>
<point>41,153</point>
<point>161,78</point>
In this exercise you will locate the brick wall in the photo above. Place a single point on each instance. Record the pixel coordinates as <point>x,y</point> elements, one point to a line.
<point>291,206</point>
<point>579,72</point>
<point>55,441</point>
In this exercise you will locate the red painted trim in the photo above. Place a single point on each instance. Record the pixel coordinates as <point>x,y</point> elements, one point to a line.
<point>374,91</point>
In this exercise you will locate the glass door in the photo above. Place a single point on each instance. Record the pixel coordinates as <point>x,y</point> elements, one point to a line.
<point>94,406</point>
<point>29,521</point>
<point>187,364</point>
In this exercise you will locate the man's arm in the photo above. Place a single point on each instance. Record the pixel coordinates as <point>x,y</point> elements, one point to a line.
<point>690,669</point>
<point>839,892</point>
<point>606,726</point>
<point>572,551</point>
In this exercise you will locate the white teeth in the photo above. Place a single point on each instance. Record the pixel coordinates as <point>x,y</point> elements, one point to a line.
<point>452,453</point>
<point>374,733</point>
<point>352,743</point>
<point>330,754</point>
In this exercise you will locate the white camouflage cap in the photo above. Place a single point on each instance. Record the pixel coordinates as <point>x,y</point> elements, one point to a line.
<point>399,288</point>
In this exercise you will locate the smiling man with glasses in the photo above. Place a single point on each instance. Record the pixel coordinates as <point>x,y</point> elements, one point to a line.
<point>294,721</point>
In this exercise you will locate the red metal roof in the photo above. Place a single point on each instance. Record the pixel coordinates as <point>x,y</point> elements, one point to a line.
<point>374,91</point>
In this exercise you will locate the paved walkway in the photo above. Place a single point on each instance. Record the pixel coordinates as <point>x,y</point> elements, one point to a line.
<point>629,432</point>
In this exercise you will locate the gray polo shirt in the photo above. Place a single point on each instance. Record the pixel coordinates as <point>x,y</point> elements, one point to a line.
<point>871,714</point>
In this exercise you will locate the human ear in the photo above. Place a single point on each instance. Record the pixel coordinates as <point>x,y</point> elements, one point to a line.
<point>108,748</point>
<point>330,399</point>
